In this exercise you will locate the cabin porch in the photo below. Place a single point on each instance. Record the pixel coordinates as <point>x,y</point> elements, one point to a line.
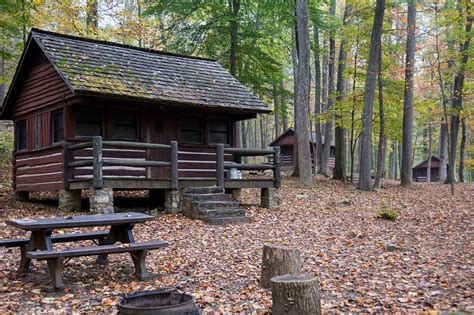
<point>103,166</point>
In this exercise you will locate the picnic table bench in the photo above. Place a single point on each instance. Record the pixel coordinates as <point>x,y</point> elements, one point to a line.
<point>119,239</point>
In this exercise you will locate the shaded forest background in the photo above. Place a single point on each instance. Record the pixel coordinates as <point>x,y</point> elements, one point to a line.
<point>262,43</point>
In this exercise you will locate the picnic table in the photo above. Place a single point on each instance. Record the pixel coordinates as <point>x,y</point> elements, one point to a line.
<point>118,239</point>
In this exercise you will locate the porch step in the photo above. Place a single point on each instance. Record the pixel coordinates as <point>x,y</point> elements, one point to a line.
<point>204,190</point>
<point>208,197</point>
<point>215,204</point>
<point>214,213</point>
<point>227,220</point>
<point>212,205</point>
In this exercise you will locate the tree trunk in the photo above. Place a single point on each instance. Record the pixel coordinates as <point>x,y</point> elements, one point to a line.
<point>365,163</point>
<point>443,152</point>
<point>462,151</point>
<point>92,20</point>
<point>283,107</point>
<point>234,7</point>
<point>317,104</point>
<point>352,140</point>
<point>382,139</point>
<point>302,95</point>
<point>331,96</point>
<point>295,295</point>
<point>2,79</point>
<point>340,132</point>
<point>406,170</point>
<point>458,97</point>
<point>278,261</point>
<point>392,162</point>
<point>276,110</point>
<point>430,143</point>
<point>294,57</point>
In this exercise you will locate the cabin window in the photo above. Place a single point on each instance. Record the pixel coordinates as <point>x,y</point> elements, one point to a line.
<point>191,129</point>
<point>88,122</point>
<point>38,130</point>
<point>21,135</point>
<point>58,129</point>
<point>124,124</point>
<point>219,131</point>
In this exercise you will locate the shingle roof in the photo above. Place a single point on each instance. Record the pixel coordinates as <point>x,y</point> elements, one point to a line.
<point>99,67</point>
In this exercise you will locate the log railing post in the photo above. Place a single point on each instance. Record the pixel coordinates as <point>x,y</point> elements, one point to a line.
<point>97,161</point>
<point>67,170</point>
<point>220,164</point>
<point>174,164</point>
<point>277,169</point>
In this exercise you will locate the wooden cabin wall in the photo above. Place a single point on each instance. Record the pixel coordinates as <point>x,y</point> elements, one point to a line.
<point>40,165</point>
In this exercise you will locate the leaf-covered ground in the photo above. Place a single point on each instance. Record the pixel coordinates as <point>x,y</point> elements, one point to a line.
<point>421,261</point>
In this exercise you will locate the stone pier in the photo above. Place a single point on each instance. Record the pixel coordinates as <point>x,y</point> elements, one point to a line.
<point>270,198</point>
<point>172,200</point>
<point>102,200</point>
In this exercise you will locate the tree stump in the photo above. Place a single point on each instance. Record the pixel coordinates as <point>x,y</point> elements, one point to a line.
<point>279,261</point>
<point>295,295</point>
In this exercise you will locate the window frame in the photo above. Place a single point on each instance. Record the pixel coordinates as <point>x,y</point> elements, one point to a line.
<point>101,121</point>
<point>38,130</point>
<point>22,122</point>
<point>183,128</point>
<point>53,129</point>
<point>137,124</point>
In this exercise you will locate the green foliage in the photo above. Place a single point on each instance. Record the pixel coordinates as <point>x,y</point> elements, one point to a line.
<point>6,145</point>
<point>387,213</point>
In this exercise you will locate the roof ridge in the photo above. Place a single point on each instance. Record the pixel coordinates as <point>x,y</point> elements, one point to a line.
<point>100,41</point>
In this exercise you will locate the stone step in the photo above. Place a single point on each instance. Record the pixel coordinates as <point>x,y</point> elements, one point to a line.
<point>207,197</point>
<point>227,220</point>
<point>206,205</point>
<point>204,190</point>
<point>214,213</point>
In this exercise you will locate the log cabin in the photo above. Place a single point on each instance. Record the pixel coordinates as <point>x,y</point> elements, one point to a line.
<point>103,116</point>
<point>420,171</point>
<point>286,143</point>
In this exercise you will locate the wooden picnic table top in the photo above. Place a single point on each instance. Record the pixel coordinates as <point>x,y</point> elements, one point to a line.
<point>31,224</point>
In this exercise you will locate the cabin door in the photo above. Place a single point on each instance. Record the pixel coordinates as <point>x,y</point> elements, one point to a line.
<point>158,135</point>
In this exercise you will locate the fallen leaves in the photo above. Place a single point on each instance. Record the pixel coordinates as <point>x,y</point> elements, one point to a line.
<point>420,262</point>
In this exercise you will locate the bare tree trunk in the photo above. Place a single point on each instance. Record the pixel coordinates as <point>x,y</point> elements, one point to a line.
<point>283,107</point>
<point>365,163</point>
<point>392,162</point>
<point>263,145</point>
<point>276,109</point>
<point>2,79</point>
<point>92,19</point>
<point>430,143</point>
<point>302,95</point>
<point>317,104</point>
<point>443,152</point>
<point>458,97</point>
<point>340,132</point>
<point>294,56</point>
<point>406,170</point>
<point>354,80</point>
<point>331,95</point>
<point>462,151</point>
<point>382,139</point>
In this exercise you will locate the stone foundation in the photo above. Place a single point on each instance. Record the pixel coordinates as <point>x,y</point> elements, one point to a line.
<point>102,200</point>
<point>172,201</point>
<point>270,198</point>
<point>21,196</point>
<point>236,193</point>
<point>69,200</point>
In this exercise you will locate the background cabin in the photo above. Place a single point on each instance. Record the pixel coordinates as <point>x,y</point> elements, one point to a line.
<point>420,171</point>
<point>68,92</point>
<point>286,142</point>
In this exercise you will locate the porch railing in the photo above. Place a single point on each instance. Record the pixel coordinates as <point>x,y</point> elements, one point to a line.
<point>98,162</point>
<point>274,164</point>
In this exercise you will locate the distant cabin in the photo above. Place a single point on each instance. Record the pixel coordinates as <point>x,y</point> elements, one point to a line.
<point>420,171</point>
<point>137,103</point>
<point>286,142</point>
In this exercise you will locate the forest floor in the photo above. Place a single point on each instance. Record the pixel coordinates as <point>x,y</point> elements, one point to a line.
<point>422,261</point>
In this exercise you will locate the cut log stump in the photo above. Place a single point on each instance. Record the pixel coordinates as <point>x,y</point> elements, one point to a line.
<point>295,295</point>
<point>279,261</point>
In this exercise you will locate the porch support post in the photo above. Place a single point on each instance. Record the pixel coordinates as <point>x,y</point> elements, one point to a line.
<point>69,199</point>
<point>270,198</point>
<point>220,164</point>
<point>102,200</point>
<point>172,200</point>
<point>21,196</point>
